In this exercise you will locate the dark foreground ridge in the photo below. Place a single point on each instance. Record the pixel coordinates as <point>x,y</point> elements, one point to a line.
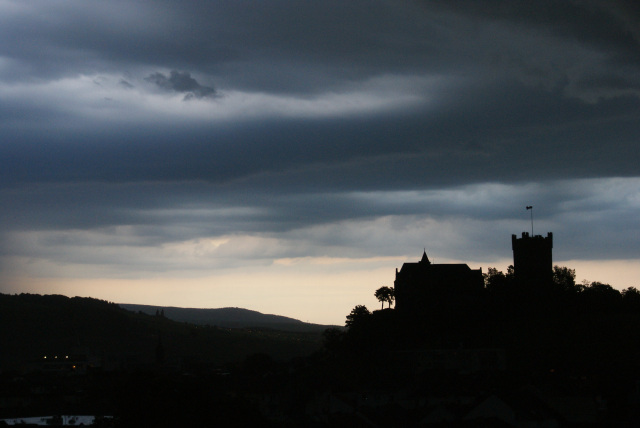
<point>525,348</point>
<point>528,347</point>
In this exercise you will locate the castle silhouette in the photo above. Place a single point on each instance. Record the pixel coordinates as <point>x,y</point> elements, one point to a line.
<point>422,283</point>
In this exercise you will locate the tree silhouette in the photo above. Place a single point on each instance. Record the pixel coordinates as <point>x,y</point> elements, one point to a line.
<point>631,299</point>
<point>494,279</point>
<point>498,283</point>
<point>385,294</point>
<point>357,315</point>
<point>600,296</point>
<point>564,278</point>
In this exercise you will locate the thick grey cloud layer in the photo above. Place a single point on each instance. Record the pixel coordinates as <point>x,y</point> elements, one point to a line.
<point>325,115</point>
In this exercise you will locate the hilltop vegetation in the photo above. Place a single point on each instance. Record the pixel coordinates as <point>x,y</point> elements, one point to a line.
<point>227,317</point>
<point>577,328</point>
<point>33,326</point>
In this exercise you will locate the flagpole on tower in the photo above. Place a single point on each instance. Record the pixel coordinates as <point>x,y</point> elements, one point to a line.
<point>529,207</point>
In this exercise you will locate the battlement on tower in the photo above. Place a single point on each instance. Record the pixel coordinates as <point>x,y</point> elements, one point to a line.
<point>527,239</point>
<point>533,258</point>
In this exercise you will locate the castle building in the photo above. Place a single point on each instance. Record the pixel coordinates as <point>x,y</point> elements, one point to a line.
<point>418,284</point>
<point>532,258</point>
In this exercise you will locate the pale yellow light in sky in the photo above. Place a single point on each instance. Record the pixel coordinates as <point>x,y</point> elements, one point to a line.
<point>310,290</point>
<point>321,291</point>
<point>620,274</point>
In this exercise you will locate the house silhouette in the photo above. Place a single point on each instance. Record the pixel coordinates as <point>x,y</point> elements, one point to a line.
<point>423,283</point>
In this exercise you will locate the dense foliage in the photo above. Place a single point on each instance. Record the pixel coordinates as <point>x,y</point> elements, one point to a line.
<point>35,325</point>
<point>557,326</point>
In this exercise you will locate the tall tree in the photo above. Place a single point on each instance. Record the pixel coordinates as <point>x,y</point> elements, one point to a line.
<point>385,294</point>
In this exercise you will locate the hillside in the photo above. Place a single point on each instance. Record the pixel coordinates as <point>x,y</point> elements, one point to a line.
<point>32,326</point>
<point>227,317</point>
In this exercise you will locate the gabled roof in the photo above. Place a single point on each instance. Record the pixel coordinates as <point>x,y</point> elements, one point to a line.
<point>440,269</point>
<point>425,267</point>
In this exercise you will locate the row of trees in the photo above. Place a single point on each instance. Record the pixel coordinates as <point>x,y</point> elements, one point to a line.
<point>564,285</point>
<point>498,283</point>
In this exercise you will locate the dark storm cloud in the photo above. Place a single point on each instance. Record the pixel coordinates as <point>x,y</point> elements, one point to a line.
<point>502,92</point>
<point>502,133</point>
<point>307,48</point>
<point>611,24</point>
<point>180,82</point>
<point>125,84</point>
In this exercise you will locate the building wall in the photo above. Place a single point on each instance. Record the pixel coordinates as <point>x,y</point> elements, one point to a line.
<point>418,285</point>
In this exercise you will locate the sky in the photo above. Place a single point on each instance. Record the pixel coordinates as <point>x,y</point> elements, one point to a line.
<point>287,156</point>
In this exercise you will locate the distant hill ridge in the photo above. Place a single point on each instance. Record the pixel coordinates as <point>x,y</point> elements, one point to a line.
<point>32,326</point>
<point>226,317</point>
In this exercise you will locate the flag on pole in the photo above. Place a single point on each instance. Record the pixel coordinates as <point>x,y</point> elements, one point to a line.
<point>529,207</point>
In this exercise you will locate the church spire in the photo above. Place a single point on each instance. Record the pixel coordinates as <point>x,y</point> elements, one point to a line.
<point>425,259</point>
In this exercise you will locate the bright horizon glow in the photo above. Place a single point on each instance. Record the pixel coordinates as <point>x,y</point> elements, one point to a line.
<point>300,290</point>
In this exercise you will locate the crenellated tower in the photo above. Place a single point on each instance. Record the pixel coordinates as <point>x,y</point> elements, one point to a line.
<point>532,258</point>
